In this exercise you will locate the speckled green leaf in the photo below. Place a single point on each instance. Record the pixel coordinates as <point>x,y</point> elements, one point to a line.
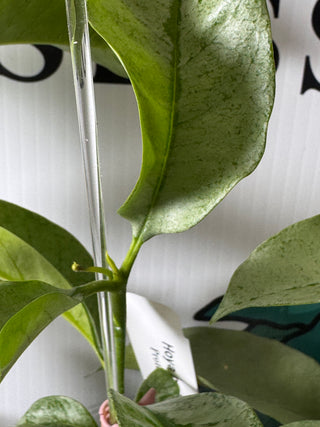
<point>206,410</point>
<point>20,261</point>
<point>129,413</point>
<point>304,424</point>
<point>203,75</point>
<point>283,270</point>
<point>199,410</point>
<point>57,411</point>
<point>44,22</point>
<point>163,382</point>
<point>26,308</point>
<point>273,378</point>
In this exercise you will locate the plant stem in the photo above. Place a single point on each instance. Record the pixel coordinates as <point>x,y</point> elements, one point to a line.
<point>128,262</point>
<point>111,308</point>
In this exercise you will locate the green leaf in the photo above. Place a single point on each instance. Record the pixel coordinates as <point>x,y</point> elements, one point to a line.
<point>130,359</point>
<point>272,377</point>
<point>205,409</point>
<point>57,411</point>
<point>203,76</point>
<point>54,243</point>
<point>129,413</point>
<point>44,22</point>
<point>306,423</point>
<point>26,308</point>
<point>283,270</point>
<point>163,382</point>
<point>20,262</point>
<point>58,247</point>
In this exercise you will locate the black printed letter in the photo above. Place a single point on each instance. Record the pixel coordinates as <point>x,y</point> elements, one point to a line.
<point>52,59</point>
<point>309,81</point>
<point>275,5</point>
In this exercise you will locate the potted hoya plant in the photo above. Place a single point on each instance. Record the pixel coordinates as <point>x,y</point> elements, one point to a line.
<point>203,76</point>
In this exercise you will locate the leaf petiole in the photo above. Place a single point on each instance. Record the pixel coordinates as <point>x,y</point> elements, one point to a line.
<point>131,257</point>
<point>91,288</point>
<point>92,269</point>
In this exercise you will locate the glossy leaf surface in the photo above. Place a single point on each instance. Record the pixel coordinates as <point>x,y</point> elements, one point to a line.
<point>273,378</point>
<point>283,270</point>
<point>206,409</point>
<point>203,76</point>
<point>44,22</point>
<point>57,411</point>
<point>163,382</point>
<point>20,262</point>
<point>26,308</point>
<point>58,247</point>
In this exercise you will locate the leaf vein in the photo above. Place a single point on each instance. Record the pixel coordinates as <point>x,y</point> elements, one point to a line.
<point>171,126</point>
<point>21,277</point>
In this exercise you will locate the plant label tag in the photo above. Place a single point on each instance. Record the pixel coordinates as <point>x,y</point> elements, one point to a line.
<point>158,342</point>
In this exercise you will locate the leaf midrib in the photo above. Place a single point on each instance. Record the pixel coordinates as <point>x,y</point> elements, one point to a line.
<point>171,129</point>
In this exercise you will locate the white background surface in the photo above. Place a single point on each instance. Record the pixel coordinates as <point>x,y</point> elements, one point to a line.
<point>40,169</point>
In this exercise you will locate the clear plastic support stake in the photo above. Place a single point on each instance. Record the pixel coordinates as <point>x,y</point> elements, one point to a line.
<point>83,82</point>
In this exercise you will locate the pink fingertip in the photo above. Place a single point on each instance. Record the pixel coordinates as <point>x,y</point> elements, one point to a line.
<point>104,410</point>
<point>104,413</point>
<point>149,398</point>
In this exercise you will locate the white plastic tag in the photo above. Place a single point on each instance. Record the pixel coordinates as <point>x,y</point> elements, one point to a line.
<point>158,342</point>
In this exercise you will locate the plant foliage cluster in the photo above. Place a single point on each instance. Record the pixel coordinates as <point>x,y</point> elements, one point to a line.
<point>203,75</point>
